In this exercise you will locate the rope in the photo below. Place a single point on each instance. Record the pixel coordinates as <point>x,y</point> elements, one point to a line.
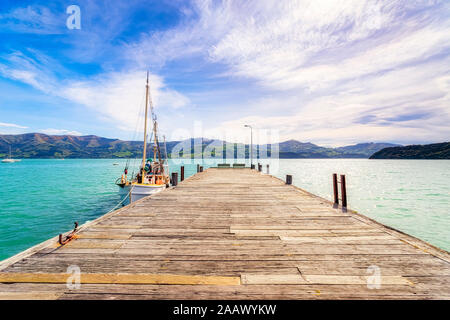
<point>62,241</point>
<point>121,201</point>
<point>69,237</point>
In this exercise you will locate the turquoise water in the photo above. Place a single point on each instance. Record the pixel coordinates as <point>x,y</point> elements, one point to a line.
<point>42,198</point>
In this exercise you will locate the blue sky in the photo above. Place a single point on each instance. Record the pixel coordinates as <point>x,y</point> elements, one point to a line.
<point>329,72</point>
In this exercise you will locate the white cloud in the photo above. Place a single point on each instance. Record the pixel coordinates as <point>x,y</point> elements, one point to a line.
<point>33,19</point>
<point>407,105</point>
<point>337,72</point>
<point>51,131</point>
<point>117,97</point>
<point>12,125</point>
<point>327,71</point>
<point>315,44</point>
<point>120,97</point>
<point>31,67</point>
<point>11,128</point>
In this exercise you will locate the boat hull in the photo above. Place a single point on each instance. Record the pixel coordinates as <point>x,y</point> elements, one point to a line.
<point>140,191</point>
<point>124,189</point>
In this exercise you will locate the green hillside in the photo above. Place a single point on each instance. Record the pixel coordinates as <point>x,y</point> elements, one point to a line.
<point>428,151</point>
<point>38,145</point>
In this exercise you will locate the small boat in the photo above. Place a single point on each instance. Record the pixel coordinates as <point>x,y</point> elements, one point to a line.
<point>153,175</point>
<point>115,164</point>
<point>10,159</point>
<point>123,183</point>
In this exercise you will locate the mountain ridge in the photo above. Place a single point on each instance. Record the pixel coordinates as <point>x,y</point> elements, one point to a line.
<point>426,151</point>
<point>39,145</point>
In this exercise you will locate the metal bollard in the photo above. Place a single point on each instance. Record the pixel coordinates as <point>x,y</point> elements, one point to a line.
<point>288,179</point>
<point>335,190</point>
<point>343,191</point>
<point>174,179</point>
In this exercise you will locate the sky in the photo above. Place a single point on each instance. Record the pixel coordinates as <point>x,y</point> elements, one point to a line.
<point>328,72</point>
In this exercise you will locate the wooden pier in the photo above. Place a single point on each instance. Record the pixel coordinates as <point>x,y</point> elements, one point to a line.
<point>231,234</point>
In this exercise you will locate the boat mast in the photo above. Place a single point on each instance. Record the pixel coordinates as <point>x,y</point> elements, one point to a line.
<point>155,133</point>
<point>145,131</point>
<point>165,155</point>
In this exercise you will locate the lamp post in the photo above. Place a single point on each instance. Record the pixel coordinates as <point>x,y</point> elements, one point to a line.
<point>251,144</point>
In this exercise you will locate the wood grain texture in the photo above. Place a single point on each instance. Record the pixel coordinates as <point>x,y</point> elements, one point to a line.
<point>118,278</point>
<point>231,234</point>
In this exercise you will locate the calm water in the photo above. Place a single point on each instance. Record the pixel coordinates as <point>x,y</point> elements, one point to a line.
<point>42,198</point>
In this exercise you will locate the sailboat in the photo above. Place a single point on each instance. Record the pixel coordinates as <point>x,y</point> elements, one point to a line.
<point>10,159</point>
<point>153,175</point>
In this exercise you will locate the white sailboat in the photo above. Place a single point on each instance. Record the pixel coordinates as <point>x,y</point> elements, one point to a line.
<point>153,176</point>
<point>10,159</point>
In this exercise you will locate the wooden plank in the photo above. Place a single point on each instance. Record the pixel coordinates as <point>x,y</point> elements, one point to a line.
<point>272,279</point>
<point>384,239</point>
<point>115,226</point>
<point>305,232</point>
<point>318,279</point>
<point>75,243</point>
<point>112,278</point>
<point>93,235</point>
<point>293,291</point>
<point>36,295</point>
<point>265,296</point>
<point>346,279</point>
<point>301,226</point>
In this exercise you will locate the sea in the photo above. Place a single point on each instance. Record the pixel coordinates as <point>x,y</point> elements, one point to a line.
<point>41,198</point>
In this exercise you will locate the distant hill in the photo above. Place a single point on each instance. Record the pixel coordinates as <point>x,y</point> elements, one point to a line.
<point>366,148</point>
<point>427,151</point>
<point>296,149</point>
<point>39,145</point>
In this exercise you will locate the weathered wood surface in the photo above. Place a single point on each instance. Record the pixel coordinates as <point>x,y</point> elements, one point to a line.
<point>231,234</point>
